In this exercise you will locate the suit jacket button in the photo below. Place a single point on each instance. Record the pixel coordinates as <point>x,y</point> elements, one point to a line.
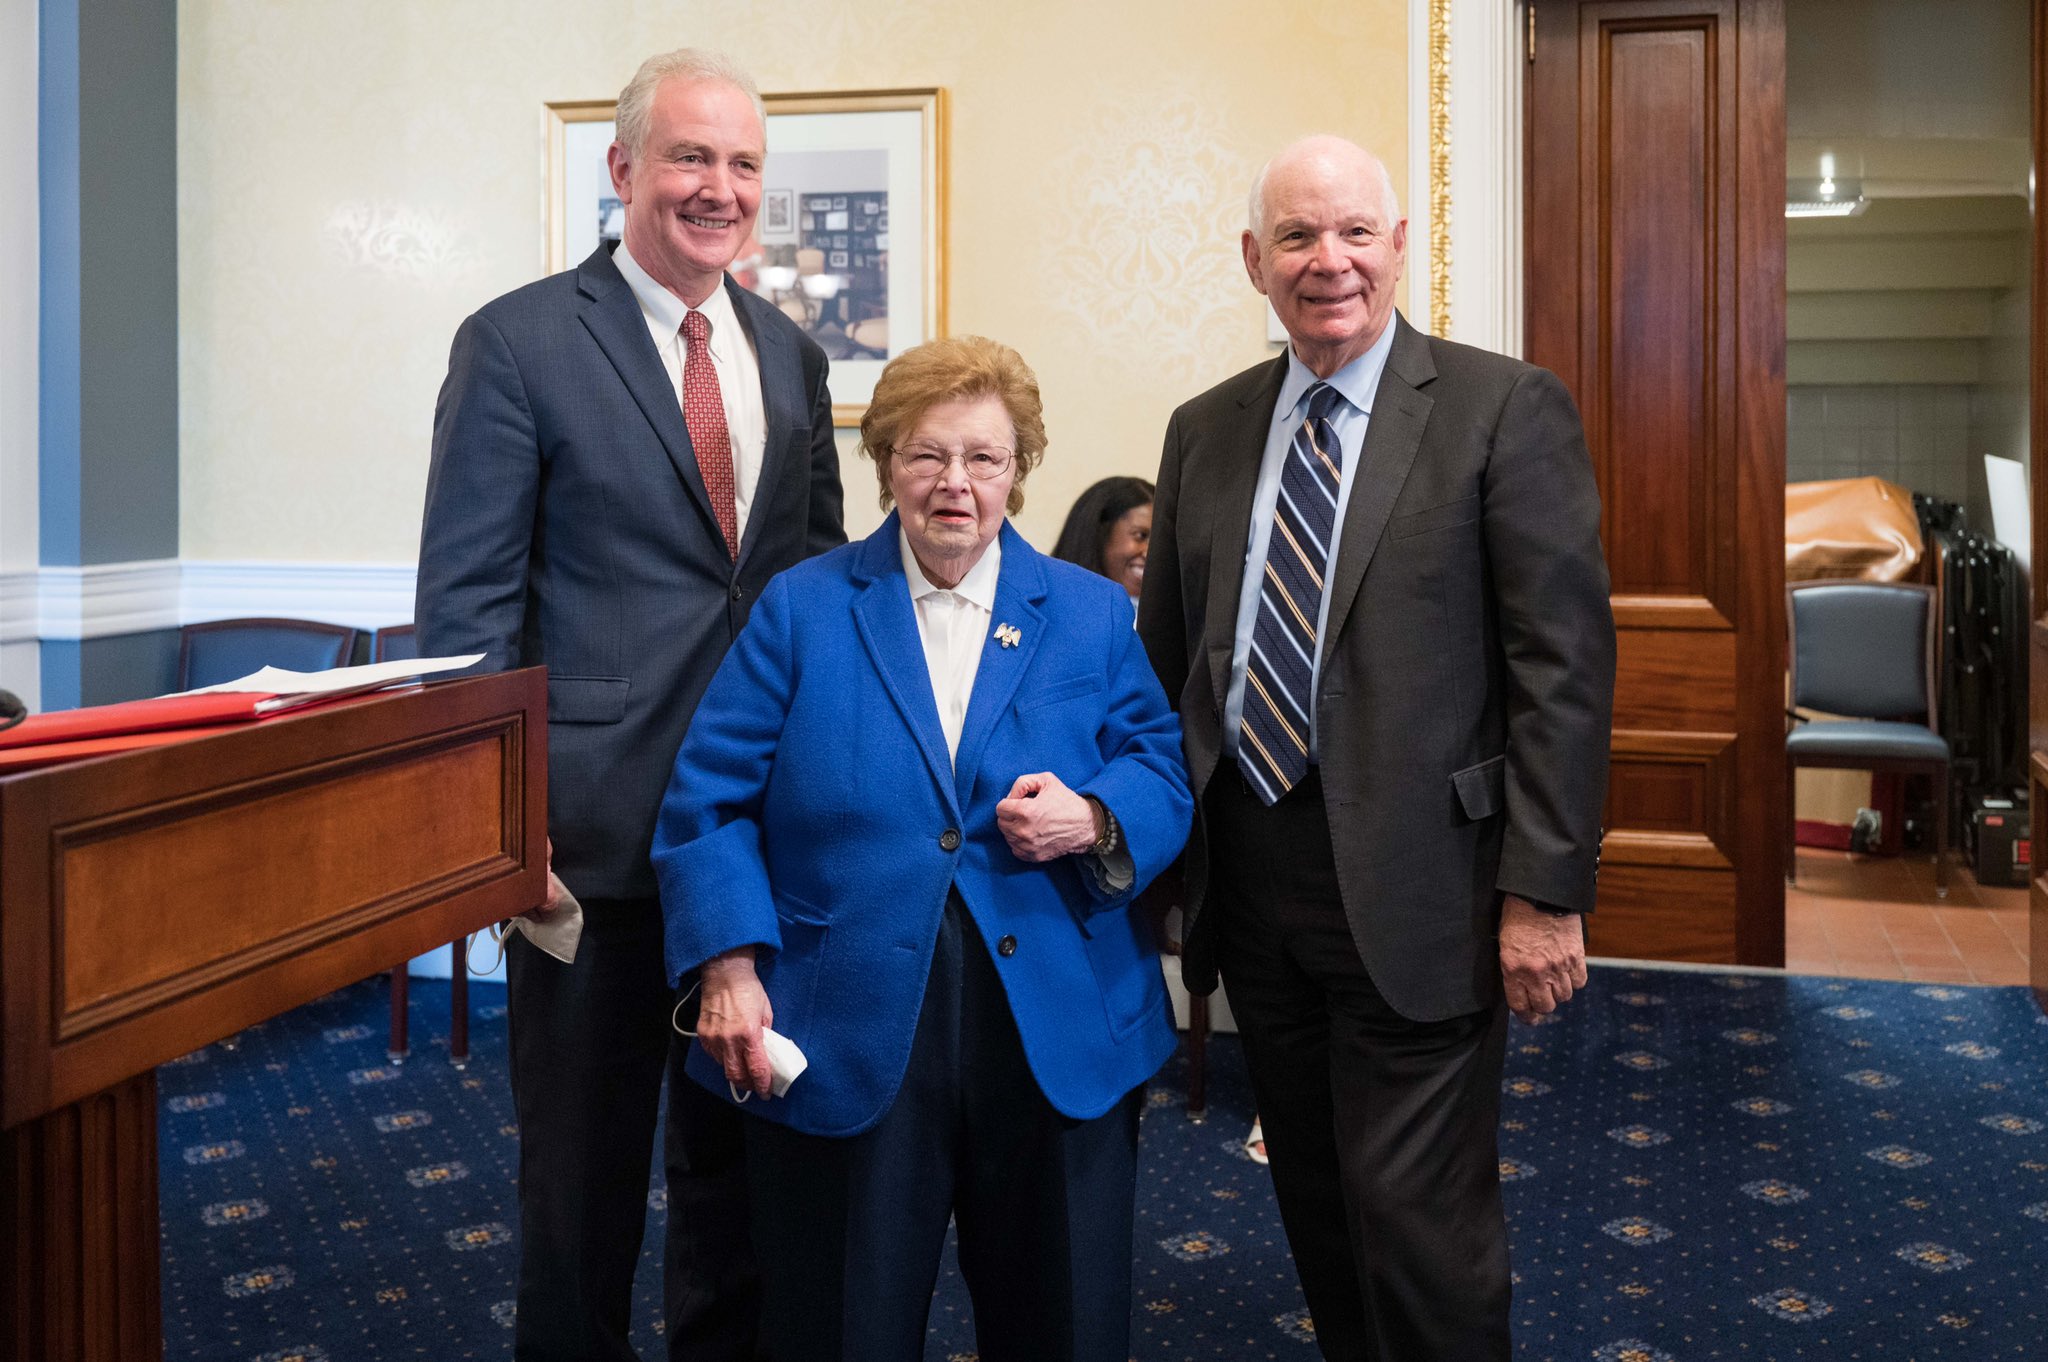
<point>738,591</point>
<point>949,840</point>
<point>1007,947</point>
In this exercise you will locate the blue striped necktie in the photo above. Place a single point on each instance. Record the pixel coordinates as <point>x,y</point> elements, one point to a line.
<point>1273,732</point>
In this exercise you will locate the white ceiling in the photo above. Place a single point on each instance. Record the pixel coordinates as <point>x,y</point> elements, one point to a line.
<point>1927,105</point>
<point>1911,96</point>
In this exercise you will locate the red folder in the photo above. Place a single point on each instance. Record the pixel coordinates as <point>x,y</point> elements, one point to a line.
<point>134,716</point>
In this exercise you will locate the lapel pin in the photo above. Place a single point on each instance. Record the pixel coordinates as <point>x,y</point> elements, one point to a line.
<point>1007,635</point>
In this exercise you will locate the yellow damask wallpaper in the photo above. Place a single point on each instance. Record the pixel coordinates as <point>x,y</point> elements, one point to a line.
<point>354,179</point>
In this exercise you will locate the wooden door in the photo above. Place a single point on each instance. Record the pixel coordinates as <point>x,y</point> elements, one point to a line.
<point>1655,287</point>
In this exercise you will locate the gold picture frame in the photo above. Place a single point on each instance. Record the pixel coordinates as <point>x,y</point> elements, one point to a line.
<point>850,273</point>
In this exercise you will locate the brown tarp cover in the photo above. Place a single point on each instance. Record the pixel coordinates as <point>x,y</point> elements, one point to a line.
<point>1858,529</point>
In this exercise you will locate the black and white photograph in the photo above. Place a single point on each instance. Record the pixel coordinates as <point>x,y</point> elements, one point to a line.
<point>778,210</point>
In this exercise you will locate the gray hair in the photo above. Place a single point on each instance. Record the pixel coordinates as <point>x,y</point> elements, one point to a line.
<point>636,101</point>
<point>1255,210</point>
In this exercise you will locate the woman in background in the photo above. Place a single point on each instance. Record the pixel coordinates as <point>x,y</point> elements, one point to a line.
<point>1108,531</point>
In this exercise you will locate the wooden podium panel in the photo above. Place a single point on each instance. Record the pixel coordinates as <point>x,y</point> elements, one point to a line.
<point>158,900</point>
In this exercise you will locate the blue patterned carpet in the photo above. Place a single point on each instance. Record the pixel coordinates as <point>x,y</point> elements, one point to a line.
<point>1699,1166</point>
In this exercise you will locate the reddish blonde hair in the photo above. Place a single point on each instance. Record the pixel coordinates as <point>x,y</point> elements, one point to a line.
<point>948,370</point>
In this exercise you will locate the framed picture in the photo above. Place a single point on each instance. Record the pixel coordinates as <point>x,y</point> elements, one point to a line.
<point>778,215</point>
<point>839,166</point>
<point>581,204</point>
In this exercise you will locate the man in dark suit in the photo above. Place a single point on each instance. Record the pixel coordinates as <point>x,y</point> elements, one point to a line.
<point>1376,593</point>
<point>624,454</point>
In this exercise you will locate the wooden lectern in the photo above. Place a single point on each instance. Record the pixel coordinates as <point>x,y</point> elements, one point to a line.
<point>159,900</point>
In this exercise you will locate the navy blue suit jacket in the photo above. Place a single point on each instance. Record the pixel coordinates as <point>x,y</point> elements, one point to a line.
<point>567,525</point>
<point>814,813</point>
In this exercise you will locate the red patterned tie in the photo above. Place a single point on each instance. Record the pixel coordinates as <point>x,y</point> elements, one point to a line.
<point>704,414</point>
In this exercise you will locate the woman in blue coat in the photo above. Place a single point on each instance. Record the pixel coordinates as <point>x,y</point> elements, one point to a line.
<point>906,832</point>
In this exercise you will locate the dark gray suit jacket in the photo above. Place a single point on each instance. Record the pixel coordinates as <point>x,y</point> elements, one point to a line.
<point>567,525</point>
<point>1468,668</point>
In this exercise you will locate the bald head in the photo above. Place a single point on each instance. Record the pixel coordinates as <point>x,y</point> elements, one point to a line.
<point>1326,246</point>
<point>1335,156</point>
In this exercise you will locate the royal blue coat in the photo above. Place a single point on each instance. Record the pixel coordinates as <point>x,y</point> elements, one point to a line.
<point>813,813</point>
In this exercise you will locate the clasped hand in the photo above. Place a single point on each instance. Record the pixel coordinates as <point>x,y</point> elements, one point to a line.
<point>1542,957</point>
<point>1043,820</point>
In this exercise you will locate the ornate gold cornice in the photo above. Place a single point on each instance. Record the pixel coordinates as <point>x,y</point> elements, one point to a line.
<point>1440,166</point>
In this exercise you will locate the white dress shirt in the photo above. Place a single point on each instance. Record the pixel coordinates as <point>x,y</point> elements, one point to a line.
<point>732,356</point>
<point>954,627</point>
<point>1356,383</point>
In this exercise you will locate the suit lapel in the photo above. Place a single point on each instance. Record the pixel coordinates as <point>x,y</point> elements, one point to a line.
<point>782,394</point>
<point>887,624</point>
<point>615,322</point>
<point>1392,437</point>
<point>1243,448</point>
<point>1019,588</point>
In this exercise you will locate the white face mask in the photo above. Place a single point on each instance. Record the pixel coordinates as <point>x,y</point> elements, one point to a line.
<point>786,1062</point>
<point>557,933</point>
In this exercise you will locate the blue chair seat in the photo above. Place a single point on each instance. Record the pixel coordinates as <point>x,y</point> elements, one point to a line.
<point>1850,739</point>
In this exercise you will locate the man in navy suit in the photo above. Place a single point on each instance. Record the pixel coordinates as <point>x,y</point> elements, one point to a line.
<point>624,454</point>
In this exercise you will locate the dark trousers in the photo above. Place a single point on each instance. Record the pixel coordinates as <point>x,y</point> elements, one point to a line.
<point>849,1232</point>
<point>590,1043</point>
<point>1383,1132</point>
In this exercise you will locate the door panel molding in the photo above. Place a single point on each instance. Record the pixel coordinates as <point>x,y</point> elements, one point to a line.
<point>1654,192</point>
<point>1671,800</point>
<point>1669,612</point>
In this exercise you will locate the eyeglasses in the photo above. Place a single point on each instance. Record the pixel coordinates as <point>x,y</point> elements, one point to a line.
<point>923,461</point>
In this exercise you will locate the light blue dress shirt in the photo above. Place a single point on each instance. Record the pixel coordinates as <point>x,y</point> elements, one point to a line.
<point>1355,382</point>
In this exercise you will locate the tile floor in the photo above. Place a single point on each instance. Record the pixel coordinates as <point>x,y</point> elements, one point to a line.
<point>1876,917</point>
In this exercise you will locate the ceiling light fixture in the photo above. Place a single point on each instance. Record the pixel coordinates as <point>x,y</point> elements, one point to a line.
<point>1826,197</point>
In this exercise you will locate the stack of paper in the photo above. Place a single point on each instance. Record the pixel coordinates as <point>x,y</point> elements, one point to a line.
<point>282,690</point>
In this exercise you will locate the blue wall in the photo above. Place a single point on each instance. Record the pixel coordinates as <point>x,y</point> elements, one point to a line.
<point>57,153</point>
<point>108,174</point>
<point>105,671</point>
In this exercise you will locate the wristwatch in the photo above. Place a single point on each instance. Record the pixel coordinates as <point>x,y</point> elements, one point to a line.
<point>1112,835</point>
